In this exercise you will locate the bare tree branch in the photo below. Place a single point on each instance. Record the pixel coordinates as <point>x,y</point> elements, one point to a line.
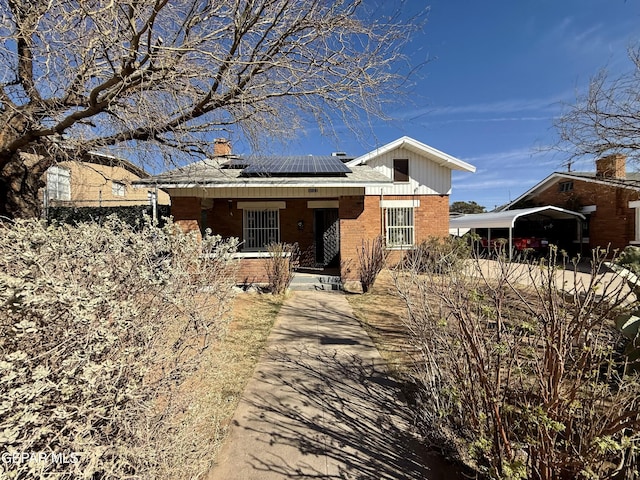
<point>101,73</point>
<point>607,118</point>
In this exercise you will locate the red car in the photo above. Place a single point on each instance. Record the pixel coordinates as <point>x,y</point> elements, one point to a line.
<point>519,243</point>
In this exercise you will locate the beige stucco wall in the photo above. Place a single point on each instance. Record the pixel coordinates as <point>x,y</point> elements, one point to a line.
<point>92,185</point>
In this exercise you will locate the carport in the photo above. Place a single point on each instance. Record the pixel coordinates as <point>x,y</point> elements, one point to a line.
<point>508,218</point>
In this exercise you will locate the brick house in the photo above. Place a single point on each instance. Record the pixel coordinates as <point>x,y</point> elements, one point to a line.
<point>609,198</point>
<point>97,180</point>
<point>327,204</point>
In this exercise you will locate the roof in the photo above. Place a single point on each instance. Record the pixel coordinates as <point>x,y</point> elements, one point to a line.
<point>508,218</point>
<point>111,161</point>
<point>632,181</point>
<point>436,156</point>
<point>295,165</point>
<point>213,173</point>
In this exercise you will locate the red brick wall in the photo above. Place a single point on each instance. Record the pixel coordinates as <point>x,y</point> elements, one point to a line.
<point>227,221</point>
<point>223,220</point>
<point>361,219</point>
<point>186,213</point>
<point>252,270</point>
<point>297,211</point>
<point>613,222</point>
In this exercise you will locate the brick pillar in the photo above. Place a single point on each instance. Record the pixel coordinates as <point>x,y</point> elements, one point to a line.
<point>359,220</point>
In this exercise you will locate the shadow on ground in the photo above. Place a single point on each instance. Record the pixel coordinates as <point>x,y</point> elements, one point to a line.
<point>321,406</point>
<point>351,413</point>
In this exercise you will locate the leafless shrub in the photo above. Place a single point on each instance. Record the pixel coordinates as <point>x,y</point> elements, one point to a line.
<point>100,327</point>
<point>372,257</point>
<point>438,255</point>
<point>519,368</point>
<point>281,265</point>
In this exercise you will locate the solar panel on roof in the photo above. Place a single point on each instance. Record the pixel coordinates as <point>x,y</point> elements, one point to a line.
<point>311,165</point>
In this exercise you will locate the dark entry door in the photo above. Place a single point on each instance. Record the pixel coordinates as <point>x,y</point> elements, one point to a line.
<point>327,237</point>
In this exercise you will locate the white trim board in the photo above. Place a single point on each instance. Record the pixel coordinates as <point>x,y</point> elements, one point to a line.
<point>399,203</point>
<point>257,205</point>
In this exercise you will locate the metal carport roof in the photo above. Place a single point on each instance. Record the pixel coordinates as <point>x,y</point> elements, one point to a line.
<point>507,219</point>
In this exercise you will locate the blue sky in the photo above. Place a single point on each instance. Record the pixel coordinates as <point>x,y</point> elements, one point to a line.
<point>499,73</point>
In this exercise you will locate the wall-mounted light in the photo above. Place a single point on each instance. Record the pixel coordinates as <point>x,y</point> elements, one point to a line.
<point>301,225</point>
<point>230,203</point>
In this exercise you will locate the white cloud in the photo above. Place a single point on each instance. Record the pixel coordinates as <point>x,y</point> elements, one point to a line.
<point>502,157</point>
<point>537,109</point>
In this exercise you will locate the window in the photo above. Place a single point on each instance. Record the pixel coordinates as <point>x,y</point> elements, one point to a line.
<point>401,170</point>
<point>58,183</point>
<point>635,204</point>
<point>261,227</point>
<point>118,189</point>
<point>566,186</point>
<point>400,229</point>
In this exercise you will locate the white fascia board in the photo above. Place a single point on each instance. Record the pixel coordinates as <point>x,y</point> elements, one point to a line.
<point>256,205</point>
<point>420,148</point>
<point>399,203</point>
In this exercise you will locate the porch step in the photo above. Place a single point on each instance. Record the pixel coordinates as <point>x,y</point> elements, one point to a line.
<point>312,281</point>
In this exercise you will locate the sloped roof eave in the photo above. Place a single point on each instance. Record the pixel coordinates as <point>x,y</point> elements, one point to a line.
<point>549,180</point>
<point>427,151</point>
<point>187,184</point>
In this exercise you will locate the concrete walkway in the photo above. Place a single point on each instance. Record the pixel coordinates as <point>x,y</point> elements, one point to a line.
<point>320,405</point>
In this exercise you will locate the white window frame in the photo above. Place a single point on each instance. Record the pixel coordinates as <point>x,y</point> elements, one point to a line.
<point>635,204</point>
<point>566,186</point>
<point>58,183</point>
<point>260,227</point>
<point>118,189</point>
<point>400,223</point>
<point>395,171</point>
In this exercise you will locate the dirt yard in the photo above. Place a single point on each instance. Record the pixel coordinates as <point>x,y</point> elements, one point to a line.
<point>227,367</point>
<point>380,312</point>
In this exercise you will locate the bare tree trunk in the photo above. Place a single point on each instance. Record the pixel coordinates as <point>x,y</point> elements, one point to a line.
<point>21,179</point>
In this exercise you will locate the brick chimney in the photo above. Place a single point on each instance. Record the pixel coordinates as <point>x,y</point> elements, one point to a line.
<point>221,147</point>
<point>612,166</point>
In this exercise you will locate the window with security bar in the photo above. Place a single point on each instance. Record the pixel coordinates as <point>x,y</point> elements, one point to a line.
<point>261,227</point>
<point>400,227</point>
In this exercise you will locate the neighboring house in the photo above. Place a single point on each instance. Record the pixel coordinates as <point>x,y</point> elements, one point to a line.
<point>608,197</point>
<point>96,181</point>
<point>329,205</point>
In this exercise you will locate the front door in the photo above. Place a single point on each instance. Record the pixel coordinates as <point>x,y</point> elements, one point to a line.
<point>327,237</point>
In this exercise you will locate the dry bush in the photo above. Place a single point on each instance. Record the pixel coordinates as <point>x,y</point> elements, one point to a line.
<point>520,371</point>
<point>372,257</point>
<point>438,255</point>
<point>100,327</point>
<point>283,260</point>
